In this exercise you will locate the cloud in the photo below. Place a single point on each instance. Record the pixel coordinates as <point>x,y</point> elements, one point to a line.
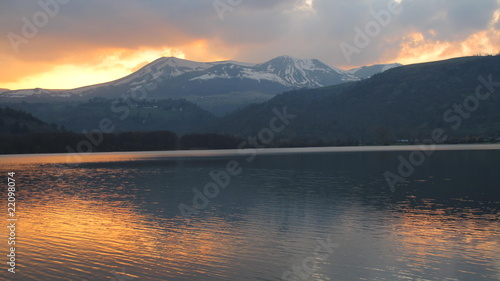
<point>89,32</point>
<point>451,20</point>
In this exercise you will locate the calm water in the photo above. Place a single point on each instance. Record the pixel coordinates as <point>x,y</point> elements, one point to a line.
<point>300,214</point>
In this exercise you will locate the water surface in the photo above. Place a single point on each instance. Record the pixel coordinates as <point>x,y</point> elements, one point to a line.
<point>115,216</point>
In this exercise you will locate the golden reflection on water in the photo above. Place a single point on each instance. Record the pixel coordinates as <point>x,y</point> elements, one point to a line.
<point>97,157</point>
<point>68,158</point>
<point>87,223</point>
<point>75,158</point>
<point>429,233</point>
<point>98,238</point>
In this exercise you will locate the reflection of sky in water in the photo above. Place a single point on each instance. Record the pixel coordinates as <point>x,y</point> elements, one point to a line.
<point>106,219</point>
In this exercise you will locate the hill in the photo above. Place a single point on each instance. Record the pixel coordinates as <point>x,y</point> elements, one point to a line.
<point>406,102</point>
<point>178,116</point>
<point>219,87</point>
<point>14,121</point>
<point>368,71</point>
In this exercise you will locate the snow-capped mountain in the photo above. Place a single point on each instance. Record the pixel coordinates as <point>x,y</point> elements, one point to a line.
<point>167,68</point>
<point>170,67</point>
<point>310,73</point>
<point>196,81</point>
<point>183,78</point>
<point>285,70</point>
<point>283,73</point>
<point>31,93</point>
<point>162,69</point>
<point>246,64</point>
<point>368,71</point>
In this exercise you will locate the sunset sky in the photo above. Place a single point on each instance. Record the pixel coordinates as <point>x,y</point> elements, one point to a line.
<point>70,43</point>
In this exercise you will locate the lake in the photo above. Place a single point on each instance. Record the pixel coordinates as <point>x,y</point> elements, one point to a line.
<point>275,214</point>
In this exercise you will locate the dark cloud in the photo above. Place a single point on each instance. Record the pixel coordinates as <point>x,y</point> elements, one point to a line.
<point>452,20</point>
<point>253,30</point>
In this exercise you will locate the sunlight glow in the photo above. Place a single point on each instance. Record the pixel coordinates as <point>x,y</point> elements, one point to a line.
<point>109,65</point>
<point>306,6</point>
<point>112,65</point>
<point>416,48</point>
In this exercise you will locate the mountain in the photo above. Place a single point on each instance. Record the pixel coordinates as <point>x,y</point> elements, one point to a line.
<point>217,86</point>
<point>167,67</point>
<point>14,121</point>
<point>164,68</point>
<point>407,102</point>
<point>368,71</point>
<point>179,78</point>
<point>179,116</point>
<point>299,73</point>
<point>285,70</point>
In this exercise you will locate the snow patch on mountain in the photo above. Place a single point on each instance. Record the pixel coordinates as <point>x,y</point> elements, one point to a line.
<point>18,93</point>
<point>246,64</point>
<point>33,92</point>
<point>368,71</point>
<point>389,66</point>
<point>284,72</point>
<point>288,71</point>
<point>163,67</point>
<point>256,75</point>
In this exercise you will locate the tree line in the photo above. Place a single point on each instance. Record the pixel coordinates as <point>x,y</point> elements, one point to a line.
<point>63,142</point>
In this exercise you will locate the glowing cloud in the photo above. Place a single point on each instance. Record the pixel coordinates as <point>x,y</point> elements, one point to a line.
<point>88,42</point>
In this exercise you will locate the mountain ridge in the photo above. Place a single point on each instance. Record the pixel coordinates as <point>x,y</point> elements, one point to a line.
<point>407,102</point>
<point>172,67</point>
<point>220,87</point>
<point>403,103</point>
<point>368,71</point>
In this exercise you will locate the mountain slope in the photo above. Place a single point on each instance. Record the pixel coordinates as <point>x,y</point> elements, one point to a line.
<point>164,67</point>
<point>368,71</point>
<point>14,121</point>
<point>407,102</point>
<point>304,73</point>
<point>179,116</point>
<point>228,84</point>
<point>219,87</point>
<point>175,78</point>
<point>286,71</point>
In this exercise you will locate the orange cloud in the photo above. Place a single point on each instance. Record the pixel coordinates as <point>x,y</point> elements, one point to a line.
<point>415,48</point>
<point>203,50</point>
<point>97,41</point>
<point>79,69</point>
<point>94,66</point>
